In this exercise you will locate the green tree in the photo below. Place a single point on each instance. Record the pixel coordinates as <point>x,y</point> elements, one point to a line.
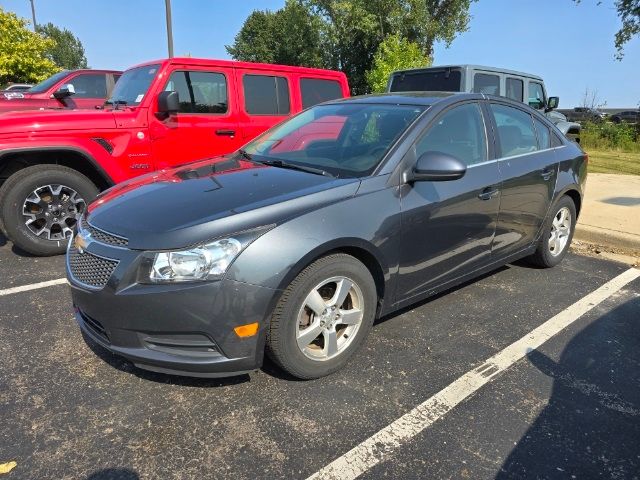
<point>22,52</point>
<point>394,53</point>
<point>289,36</point>
<point>67,51</point>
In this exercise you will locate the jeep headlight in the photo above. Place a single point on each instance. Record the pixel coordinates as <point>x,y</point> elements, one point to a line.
<point>207,262</point>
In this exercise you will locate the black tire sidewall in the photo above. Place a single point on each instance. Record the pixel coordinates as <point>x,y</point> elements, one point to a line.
<point>553,260</point>
<point>17,191</point>
<point>289,355</point>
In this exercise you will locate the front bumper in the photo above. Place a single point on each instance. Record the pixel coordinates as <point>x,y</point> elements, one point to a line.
<point>184,329</point>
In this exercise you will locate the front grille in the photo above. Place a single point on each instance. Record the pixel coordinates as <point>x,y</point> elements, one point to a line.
<point>102,236</point>
<point>95,326</point>
<point>90,269</point>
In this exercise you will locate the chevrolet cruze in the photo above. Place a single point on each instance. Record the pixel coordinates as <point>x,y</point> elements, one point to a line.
<point>294,244</point>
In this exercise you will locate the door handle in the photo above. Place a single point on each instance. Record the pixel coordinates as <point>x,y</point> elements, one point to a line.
<point>488,193</point>
<point>546,174</point>
<point>228,133</point>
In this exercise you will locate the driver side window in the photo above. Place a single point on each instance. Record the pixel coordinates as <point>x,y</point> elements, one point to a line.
<point>459,132</point>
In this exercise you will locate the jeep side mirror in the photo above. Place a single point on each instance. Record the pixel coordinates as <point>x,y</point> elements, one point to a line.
<point>437,167</point>
<point>553,103</point>
<point>168,103</point>
<point>64,91</point>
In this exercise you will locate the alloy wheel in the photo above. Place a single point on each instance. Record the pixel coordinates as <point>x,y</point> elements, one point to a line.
<point>560,231</point>
<point>51,211</point>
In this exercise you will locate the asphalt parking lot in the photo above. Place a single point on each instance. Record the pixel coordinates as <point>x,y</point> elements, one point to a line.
<point>568,409</point>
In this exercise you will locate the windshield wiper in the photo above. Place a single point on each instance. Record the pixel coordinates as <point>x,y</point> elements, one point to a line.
<point>293,166</point>
<point>245,154</point>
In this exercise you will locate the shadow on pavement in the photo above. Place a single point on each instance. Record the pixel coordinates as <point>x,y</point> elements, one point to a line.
<point>114,474</point>
<point>622,201</point>
<point>124,365</point>
<point>591,425</point>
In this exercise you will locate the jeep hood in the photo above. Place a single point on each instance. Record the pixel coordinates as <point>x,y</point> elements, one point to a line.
<point>27,122</point>
<point>185,206</point>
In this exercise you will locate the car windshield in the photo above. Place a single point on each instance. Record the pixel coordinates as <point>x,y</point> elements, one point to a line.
<point>345,140</point>
<point>132,86</point>
<point>49,82</point>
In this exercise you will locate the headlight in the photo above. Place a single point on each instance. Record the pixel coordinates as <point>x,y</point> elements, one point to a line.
<point>207,262</point>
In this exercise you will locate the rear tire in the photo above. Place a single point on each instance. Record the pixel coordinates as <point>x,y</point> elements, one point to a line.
<point>556,235</point>
<point>323,317</point>
<point>39,206</point>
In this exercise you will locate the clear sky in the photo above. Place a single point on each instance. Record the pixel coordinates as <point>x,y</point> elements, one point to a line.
<point>569,45</point>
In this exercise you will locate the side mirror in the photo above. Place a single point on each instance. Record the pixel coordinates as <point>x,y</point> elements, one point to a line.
<point>437,167</point>
<point>168,103</point>
<point>64,91</point>
<point>552,103</point>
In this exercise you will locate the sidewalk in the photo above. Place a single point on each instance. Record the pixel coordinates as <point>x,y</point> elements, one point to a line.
<point>610,214</point>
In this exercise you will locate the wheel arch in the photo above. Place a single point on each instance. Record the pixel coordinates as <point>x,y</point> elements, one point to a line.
<point>14,160</point>
<point>573,193</point>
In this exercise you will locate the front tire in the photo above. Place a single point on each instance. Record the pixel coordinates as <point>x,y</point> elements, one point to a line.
<point>556,235</point>
<point>322,317</point>
<point>39,207</point>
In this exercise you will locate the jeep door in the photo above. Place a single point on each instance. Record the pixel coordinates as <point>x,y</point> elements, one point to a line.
<point>448,226</point>
<point>90,91</point>
<point>528,171</point>
<point>206,123</point>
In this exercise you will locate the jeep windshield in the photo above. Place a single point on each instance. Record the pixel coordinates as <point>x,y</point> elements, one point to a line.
<point>343,140</point>
<point>48,83</point>
<point>436,80</point>
<point>132,86</point>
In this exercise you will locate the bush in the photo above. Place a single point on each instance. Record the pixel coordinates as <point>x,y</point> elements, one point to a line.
<point>610,136</point>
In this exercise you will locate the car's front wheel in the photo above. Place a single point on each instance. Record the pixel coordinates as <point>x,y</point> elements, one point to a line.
<point>40,205</point>
<point>323,317</point>
<point>557,234</point>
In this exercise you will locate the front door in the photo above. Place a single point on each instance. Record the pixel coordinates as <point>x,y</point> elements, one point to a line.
<point>205,125</point>
<point>528,170</point>
<point>90,91</point>
<point>448,227</point>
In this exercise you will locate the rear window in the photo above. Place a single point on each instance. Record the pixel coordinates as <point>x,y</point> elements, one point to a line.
<point>315,90</point>
<point>485,83</point>
<point>427,81</point>
<point>266,95</point>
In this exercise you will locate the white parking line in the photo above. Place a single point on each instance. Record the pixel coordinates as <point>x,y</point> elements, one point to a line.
<point>384,443</point>
<point>33,286</point>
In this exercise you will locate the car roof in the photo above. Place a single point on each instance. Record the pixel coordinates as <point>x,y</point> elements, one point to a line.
<point>408,98</point>
<point>472,67</point>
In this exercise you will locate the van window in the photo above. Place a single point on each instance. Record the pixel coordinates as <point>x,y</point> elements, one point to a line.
<point>536,95</point>
<point>515,89</point>
<point>315,90</point>
<point>544,137</point>
<point>485,83</point>
<point>426,81</point>
<point>458,132</point>
<point>199,92</point>
<point>90,85</point>
<point>266,95</point>
<point>515,130</point>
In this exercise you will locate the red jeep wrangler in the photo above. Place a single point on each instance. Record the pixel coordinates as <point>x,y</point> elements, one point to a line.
<point>66,89</point>
<point>160,114</point>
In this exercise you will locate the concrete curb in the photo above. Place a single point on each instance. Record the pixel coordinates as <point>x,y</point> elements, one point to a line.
<point>610,238</point>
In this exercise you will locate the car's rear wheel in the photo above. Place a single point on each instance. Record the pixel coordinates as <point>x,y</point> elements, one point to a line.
<point>39,207</point>
<point>323,317</point>
<point>557,234</point>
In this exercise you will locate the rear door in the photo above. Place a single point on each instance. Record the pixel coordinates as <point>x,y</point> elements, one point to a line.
<point>206,124</point>
<point>264,100</point>
<point>528,171</point>
<point>448,227</point>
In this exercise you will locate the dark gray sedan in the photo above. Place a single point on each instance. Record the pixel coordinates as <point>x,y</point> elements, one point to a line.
<point>295,244</point>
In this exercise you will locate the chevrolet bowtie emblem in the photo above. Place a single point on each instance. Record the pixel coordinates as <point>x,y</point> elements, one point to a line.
<point>81,242</point>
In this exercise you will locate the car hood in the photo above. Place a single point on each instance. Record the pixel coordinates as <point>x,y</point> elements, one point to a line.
<point>185,206</point>
<point>26,122</point>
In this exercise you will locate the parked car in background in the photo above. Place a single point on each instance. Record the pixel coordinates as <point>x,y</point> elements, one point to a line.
<point>627,116</point>
<point>519,86</point>
<point>160,114</point>
<point>585,114</point>
<point>17,87</point>
<point>66,89</point>
<point>193,270</point>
